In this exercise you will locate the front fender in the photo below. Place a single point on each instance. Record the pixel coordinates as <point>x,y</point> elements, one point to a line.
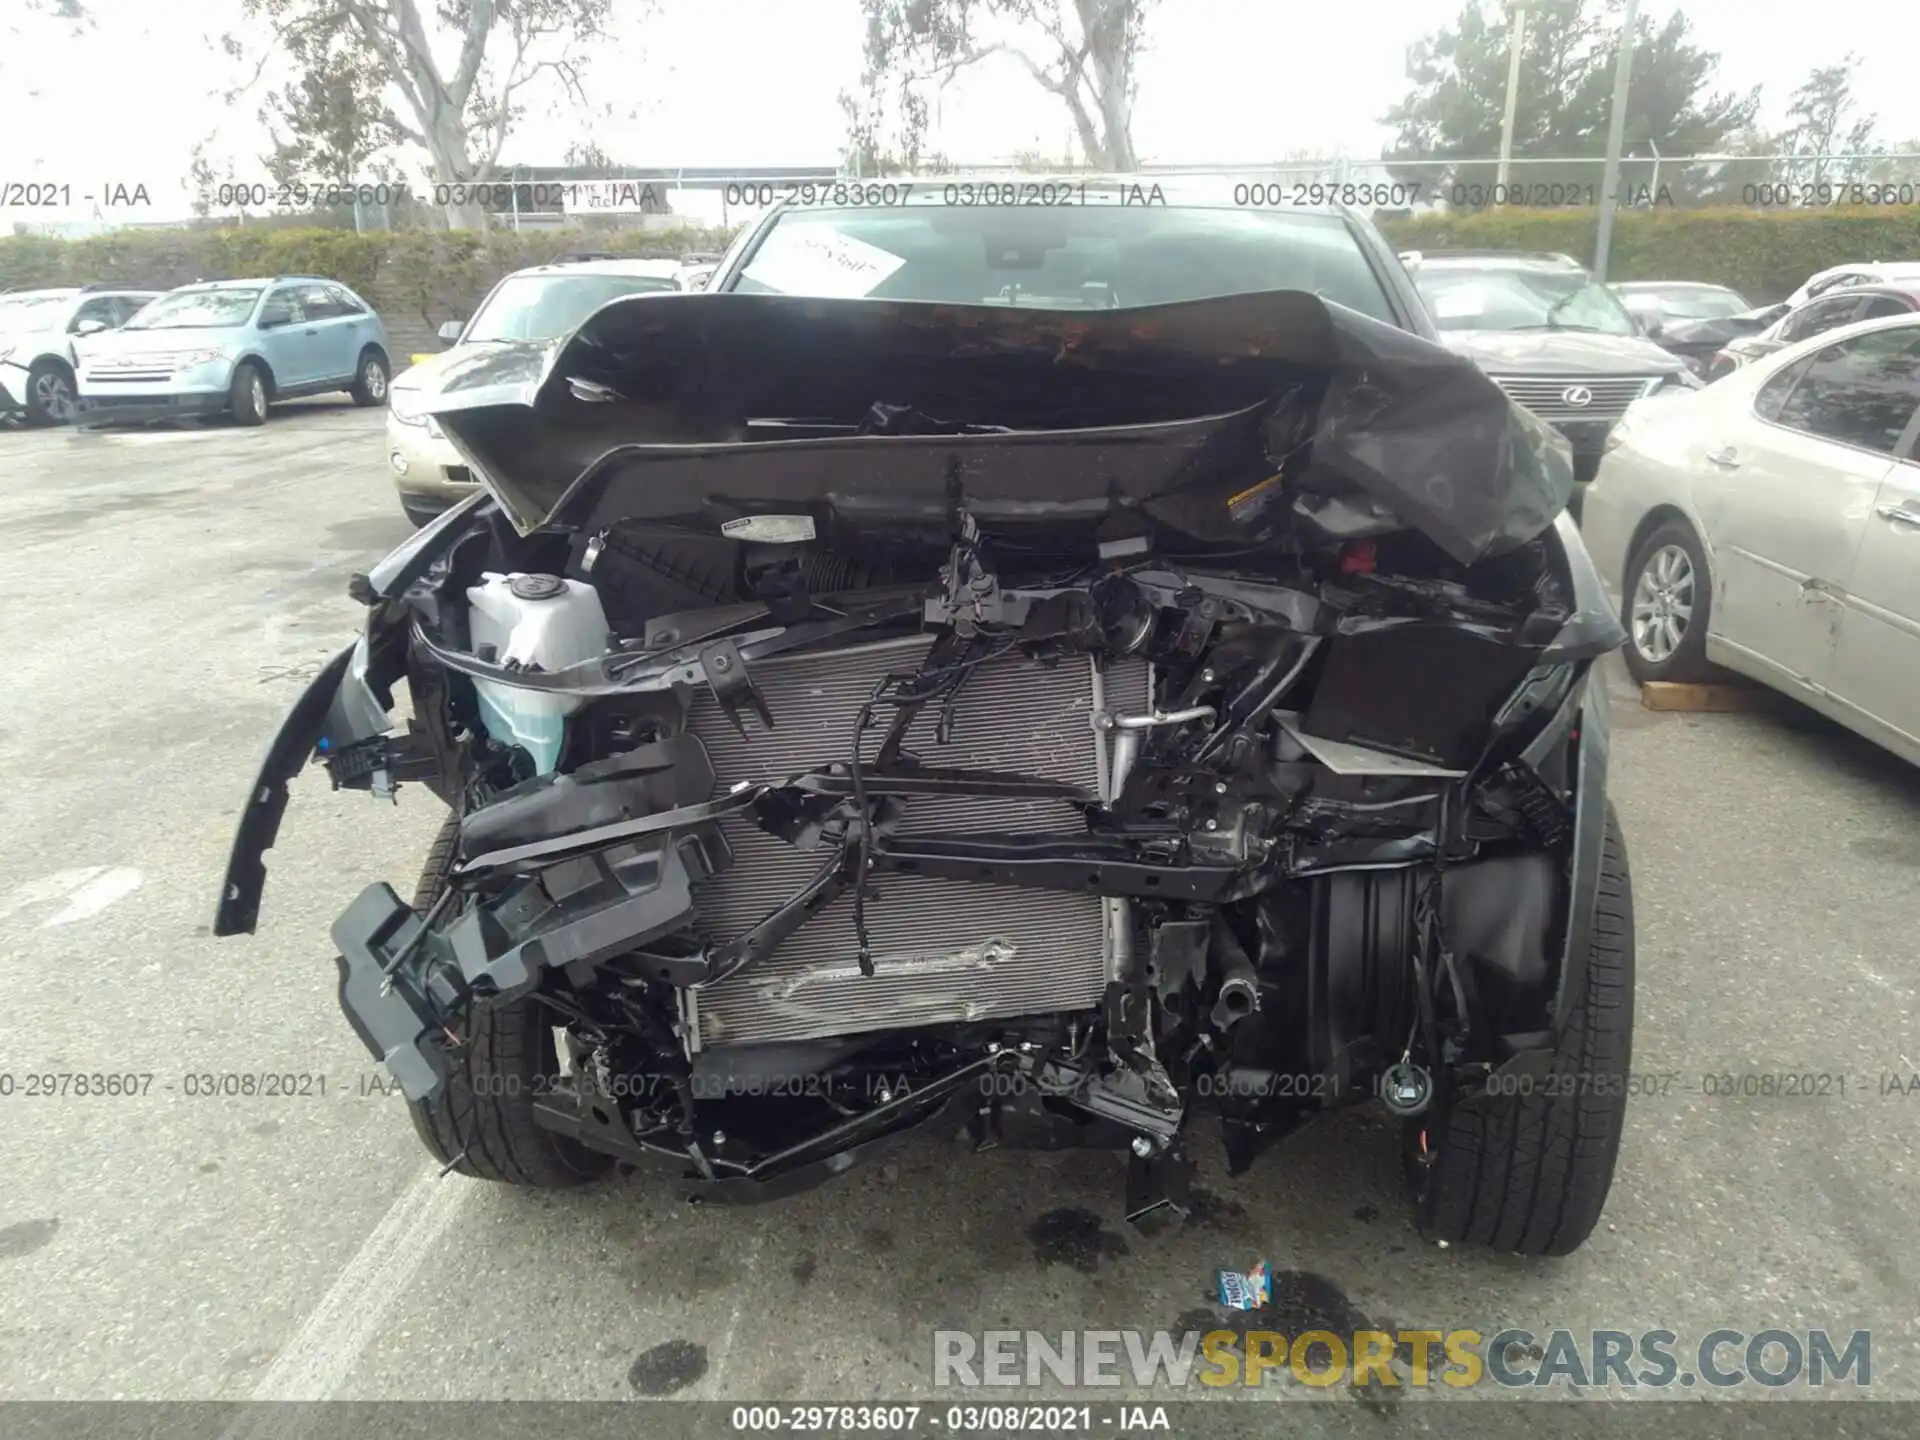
<point>292,747</point>
<point>1594,726</point>
<point>342,705</point>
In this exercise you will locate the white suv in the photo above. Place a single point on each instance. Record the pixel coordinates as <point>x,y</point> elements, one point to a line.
<point>39,333</point>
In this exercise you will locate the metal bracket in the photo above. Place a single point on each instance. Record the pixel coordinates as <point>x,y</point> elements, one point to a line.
<point>732,686</point>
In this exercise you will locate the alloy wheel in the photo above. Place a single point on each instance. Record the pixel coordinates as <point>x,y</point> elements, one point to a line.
<point>374,378</point>
<point>1662,604</point>
<point>54,397</point>
<point>257,395</point>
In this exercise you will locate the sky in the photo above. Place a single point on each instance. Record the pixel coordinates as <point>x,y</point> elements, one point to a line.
<point>754,83</point>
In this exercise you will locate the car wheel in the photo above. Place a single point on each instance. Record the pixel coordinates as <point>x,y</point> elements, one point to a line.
<point>419,512</point>
<point>481,1123</point>
<point>1530,1173</point>
<point>1669,600</point>
<point>247,396</point>
<point>370,380</point>
<point>51,398</point>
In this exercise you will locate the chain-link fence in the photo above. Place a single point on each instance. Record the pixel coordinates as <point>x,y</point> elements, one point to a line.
<point>1647,180</point>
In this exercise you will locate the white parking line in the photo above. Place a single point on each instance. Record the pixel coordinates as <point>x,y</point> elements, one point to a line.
<point>316,1362</point>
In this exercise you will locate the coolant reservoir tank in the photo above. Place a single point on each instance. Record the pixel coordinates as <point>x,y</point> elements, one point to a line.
<point>533,622</point>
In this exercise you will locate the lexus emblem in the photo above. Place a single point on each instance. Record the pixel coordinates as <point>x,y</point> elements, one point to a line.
<point>1578,396</point>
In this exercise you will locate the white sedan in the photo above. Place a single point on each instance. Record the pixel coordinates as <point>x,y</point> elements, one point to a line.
<point>1770,524</point>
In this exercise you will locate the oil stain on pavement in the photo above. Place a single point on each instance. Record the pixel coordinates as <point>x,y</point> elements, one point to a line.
<point>667,1369</point>
<point>26,1237</point>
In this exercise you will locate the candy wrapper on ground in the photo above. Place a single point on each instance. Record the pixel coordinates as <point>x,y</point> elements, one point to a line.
<point>1245,1292</point>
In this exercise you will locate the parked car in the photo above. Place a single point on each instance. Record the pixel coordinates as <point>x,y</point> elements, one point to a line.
<point>233,347</point>
<point>1192,603</point>
<point>1841,305</point>
<point>1861,272</point>
<point>1658,304</point>
<point>1675,313</point>
<point>1770,525</point>
<point>1550,335</point>
<point>40,332</point>
<point>528,307</point>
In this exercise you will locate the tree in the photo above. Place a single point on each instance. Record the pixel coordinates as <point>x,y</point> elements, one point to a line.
<point>328,123</point>
<point>1082,52</point>
<point>1565,96</point>
<point>460,114</point>
<point>1824,122</point>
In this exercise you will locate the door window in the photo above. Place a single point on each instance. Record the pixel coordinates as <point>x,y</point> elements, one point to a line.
<point>345,302</point>
<point>319,303</point>
<point>100,308</point>
<point>283,308</point>
<point>1774,393</point>
<point>1818,317</point>
<point>1861,392</point>
<point>1879,307</point>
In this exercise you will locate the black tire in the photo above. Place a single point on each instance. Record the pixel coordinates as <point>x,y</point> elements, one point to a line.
<point>370,378</point>
<point>1530,1173</point>
<point>420,511</point>
<point>51,396</point>
<point>1685,663</point>
<point>487,1129</point>
<point>247,394</point>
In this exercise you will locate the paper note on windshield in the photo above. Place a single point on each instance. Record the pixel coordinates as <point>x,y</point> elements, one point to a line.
<point>813,260</point>
<point>1457,304</point>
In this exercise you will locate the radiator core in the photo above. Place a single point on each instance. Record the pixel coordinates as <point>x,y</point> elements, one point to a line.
<point>943,951</point>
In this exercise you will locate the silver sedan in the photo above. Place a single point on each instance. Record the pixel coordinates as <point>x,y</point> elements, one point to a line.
<point>1770,525</point>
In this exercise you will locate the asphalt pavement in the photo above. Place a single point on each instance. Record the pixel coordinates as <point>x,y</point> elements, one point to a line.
<point>167,593</point>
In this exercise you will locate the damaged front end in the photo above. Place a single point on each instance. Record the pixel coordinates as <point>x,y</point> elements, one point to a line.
<point>1052,727</point>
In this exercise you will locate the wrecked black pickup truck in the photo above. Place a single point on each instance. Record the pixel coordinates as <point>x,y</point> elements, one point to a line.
<point>863,718</point>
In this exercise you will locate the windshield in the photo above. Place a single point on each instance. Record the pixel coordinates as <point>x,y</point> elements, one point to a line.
<point>1499,298</point>
<point>1061,257</point>
<point>196,310</point>
<point>539,307</point>
<point>31,312</point>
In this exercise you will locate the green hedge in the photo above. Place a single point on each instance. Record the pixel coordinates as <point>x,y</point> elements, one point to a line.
<point>1764,255</point>
<point>429,276</point>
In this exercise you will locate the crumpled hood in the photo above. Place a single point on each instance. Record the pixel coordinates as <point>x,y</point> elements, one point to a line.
<point>1560,352</point>
<point>1719,329</point>
<point>676,411</point>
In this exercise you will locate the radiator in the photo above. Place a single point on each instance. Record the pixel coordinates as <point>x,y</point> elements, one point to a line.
<point>943,951</point>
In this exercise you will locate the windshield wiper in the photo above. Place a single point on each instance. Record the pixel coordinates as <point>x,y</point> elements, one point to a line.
<point>1562,325</point>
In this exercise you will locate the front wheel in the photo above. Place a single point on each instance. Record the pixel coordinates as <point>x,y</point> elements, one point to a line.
<point>419,512</point>
<point>370,380</point>
<point>247,395</point>
<point>1529,1173</point>
<point>481,1123</point>
<point>1669,602</point>
<point>51,398</point>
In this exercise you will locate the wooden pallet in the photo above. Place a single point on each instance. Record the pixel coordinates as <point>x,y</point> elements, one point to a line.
<point>1713,699</point>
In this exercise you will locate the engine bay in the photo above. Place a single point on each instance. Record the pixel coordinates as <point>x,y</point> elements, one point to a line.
<point>803,852</point>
